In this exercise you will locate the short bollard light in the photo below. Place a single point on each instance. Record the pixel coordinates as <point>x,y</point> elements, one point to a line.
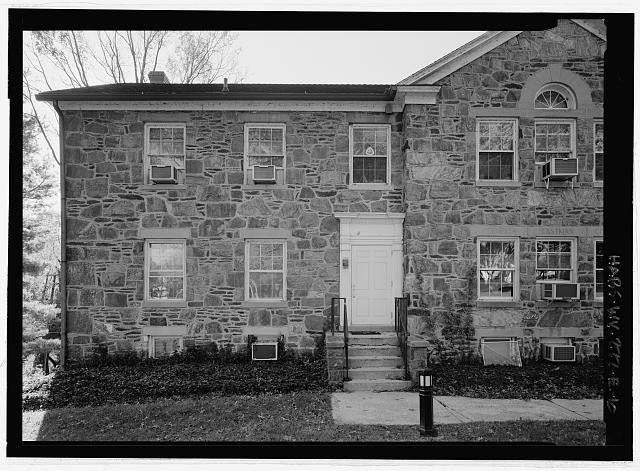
<point>426,403</point>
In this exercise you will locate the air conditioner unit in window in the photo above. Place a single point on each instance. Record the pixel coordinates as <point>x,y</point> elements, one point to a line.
<point>552,352</point>
<point>164,174</point>
<point>560,169</point>
<point>560,290</point>
<point>264,173</point>
<point>264,351</point>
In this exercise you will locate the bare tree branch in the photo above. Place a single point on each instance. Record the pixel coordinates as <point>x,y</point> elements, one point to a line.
<point>28,96</point>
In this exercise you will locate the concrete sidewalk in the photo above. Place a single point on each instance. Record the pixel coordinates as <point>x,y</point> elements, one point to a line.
<point>403,408</point>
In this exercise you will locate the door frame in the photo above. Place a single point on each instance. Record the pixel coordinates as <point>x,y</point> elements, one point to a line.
<point>359,228</point>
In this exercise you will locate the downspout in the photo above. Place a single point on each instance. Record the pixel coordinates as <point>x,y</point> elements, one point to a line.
<point>63,243</point>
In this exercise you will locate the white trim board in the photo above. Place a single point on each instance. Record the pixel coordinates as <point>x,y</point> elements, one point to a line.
<point>232,105</point>
<point>405,95</point>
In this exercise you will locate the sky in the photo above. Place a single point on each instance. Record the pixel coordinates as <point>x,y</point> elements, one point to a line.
<point>383,57</point>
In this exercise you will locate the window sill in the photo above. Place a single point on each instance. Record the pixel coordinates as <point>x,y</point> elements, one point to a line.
<point>493,303</point>
<point>264,304</point>
<point>598,184</point>
<point>277,186</point>
<point>370,186</point>
<point>164,186</point>
<point>500,183</point>
<point>557,184</point>
<point>557,302</point>
<point>168,304</point>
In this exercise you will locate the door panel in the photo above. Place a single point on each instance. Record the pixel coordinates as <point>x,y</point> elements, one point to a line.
<point>371,285</point>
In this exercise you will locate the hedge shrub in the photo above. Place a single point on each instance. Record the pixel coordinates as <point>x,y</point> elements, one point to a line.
<point>129,378</point>
<point>534,380</point>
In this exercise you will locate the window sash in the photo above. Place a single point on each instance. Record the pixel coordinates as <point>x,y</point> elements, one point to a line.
<point>164,274</point>
<point>369,154</point>
<point>251,288</point>
<point>496,152</point>
<point>554,266</point>
<point>491,277</point>
<point>598,151</point>
<point>268,136</point>
<point>565,141</point>
<point>598,268</point>
<point>164,339</point>
<point>175,157</point>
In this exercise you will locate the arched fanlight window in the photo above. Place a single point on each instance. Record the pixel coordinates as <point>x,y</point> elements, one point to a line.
<point>554,96</point>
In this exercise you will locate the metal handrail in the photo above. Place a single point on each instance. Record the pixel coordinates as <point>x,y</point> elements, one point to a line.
<point>402,329</point>
<point>345,329</point>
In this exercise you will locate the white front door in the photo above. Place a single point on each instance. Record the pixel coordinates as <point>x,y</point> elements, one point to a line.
<point>371,289</point>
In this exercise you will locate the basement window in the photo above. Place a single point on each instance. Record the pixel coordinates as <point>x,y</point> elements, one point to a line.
<point>161,346</point>
<point>500,351</point>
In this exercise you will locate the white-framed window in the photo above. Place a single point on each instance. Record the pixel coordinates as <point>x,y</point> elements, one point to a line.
<point>265,270</point>
<point>497,149</point>
<point>164,345</point>
<point>598,269</point>
<point>265,144</point>
<point>554,96</point>
<point>554,139</point>
<point>498,261</point>
<point>370,154</point>
<point>598,151</point>
<point>165,270</point>
<point>164,147</point>
<point>556,260</point>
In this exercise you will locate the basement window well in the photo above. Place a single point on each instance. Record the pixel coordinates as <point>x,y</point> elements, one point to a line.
<point>500,351</point>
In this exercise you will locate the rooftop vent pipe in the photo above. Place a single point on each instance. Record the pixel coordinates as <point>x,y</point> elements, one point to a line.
<point>225,86</point>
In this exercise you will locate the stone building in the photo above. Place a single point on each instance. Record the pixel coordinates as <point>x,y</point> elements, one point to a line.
<point>207,213</point>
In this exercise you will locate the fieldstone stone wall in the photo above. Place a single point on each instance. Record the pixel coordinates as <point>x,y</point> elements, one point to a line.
<point>108,204</point>
<point>443,201</point>
<point>433,155</point>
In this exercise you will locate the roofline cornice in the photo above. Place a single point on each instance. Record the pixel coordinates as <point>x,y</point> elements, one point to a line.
<point>395,103</point>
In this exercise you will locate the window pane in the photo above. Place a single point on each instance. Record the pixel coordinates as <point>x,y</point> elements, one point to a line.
<point>599,137</point>
<point>265,285</point>
<point>599,165</point>
<point>381,149</point>
<point>165,346</point>
<point>165,287</point>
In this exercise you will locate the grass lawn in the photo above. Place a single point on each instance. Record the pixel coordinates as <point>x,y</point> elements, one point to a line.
<point>299,416</point>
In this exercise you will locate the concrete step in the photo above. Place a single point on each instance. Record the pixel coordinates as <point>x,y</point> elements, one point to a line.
<point>376,372</point>
<point>373,350</point>
<point>375,361</point>
<point>375,385</point>
<point>382,339</point>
